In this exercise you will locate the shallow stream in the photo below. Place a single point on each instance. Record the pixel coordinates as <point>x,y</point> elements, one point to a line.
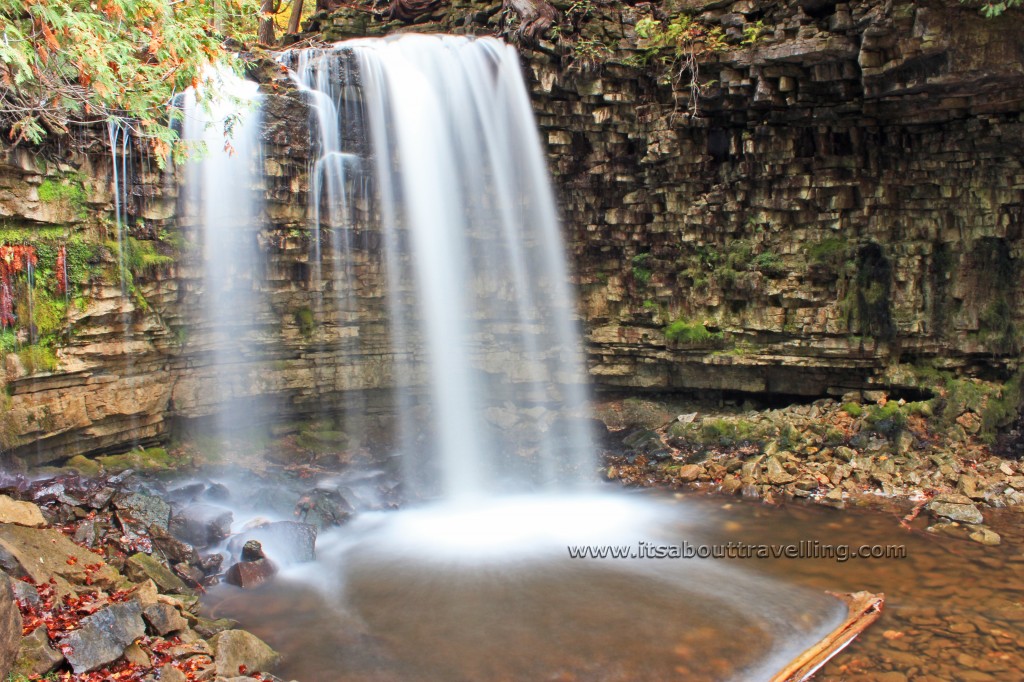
<point>393,598</point>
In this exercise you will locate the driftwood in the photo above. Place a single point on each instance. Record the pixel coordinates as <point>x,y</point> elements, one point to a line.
<point>864,609</point>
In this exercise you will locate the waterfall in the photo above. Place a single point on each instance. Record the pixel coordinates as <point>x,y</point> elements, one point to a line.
<point>224,203</point>
<point>441,128</point>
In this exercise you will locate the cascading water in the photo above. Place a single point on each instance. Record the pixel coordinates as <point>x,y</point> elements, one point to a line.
<point>429,142</point>
<point>224,202</point>
<point>479,295</point>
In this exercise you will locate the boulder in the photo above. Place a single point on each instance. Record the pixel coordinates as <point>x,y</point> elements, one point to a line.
<point>237,650</point>
<point>254,568</point>
<point>140,567</point>
<point>42,553</point>
<point>201,525</point>
<point>148,510</point>
<point>286,541</point>
<point>163,619</point>
<point>10,626</point>
<point>955,508</point>
<point>36,657</point>
<point>20,513</point>
<point>104,636</point>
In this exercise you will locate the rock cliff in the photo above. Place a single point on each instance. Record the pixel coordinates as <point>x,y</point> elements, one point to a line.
<point>794,198</point>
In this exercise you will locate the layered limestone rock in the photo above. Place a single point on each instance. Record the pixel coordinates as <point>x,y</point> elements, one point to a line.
<point>844,197</point>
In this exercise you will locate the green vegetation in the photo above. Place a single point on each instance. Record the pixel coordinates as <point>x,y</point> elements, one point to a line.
<point>828,252</point>
<point>853,409</point>
<point>65,62</point>
<point>888,419</point>
<point>994,9</point>
<point>768,263</point>
<point>641,273</point>
<point>38,358</point>
<point>69,192</point>
<point>306,321</point>
<point>690,333</point>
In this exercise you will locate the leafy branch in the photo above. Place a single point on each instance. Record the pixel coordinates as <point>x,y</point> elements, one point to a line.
<point>75,62</point>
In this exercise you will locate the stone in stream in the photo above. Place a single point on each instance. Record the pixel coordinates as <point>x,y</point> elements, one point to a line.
<point>254,568</point>
<point>985,536</point>
<point>36,657</point>
<point>238,650</point>
<point>956,508</point>
<point>103,636</point>
<point>201,525</point>
<point>287,541</point>
<point>20,513</point>
<point>10,626</point>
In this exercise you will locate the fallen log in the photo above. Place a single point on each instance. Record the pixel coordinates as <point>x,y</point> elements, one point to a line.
<point>864,609</point>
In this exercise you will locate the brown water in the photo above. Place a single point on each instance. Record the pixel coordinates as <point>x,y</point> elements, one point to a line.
<point>954,610</point>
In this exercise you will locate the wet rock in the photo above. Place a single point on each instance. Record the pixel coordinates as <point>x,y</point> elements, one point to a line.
<point>986,536</point>
<point>236,648</point>
<point>777,475</point>
<point>20,513</point>
<point>137,656</point>
<point>211,564</point>
<point>169,673</point>
<point>163,619</point>
<point>689,472</point>
<point>208,628</point>
<point>10,626</point>
<point>172,548</point>
<point>201,525</point>
<point>324,508</point>
<point>284,540</point>
<point>42,553</point>
<point>36,657</point>
<point>844,453</point>
<point>145,509</point>
<point>732,486</point>
<point>103,636</point>
<point>956,508</point>
<point>254,568</point>
<point>140,567</point>
<point>643,440</point>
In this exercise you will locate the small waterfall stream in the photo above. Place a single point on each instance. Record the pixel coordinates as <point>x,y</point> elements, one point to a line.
<point>224,203</point>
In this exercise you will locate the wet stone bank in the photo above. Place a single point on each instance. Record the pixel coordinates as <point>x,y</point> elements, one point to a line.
<point>102,575</point>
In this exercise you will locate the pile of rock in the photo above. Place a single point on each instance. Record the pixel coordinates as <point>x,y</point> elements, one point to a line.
<point>828,452</point>
<point>102,581</point>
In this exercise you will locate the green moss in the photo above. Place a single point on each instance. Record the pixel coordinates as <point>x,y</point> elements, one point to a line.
<point>83,465</point>
<point>690,333</point>
<point>828,251</point>
<point>888,419</point>
<point>641,273</point>
<point>306,321</point>
<point>69,191</point>
<point>853,409</point>
<point>150,459</point>
<point>768,263</point>
<point>38,358</point>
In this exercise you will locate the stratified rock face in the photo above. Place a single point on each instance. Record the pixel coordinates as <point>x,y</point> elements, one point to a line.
<point>10,626</point>
<point>848,198</point>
